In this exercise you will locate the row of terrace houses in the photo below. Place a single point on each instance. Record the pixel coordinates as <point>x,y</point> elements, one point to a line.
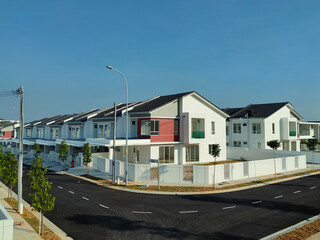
<point>174,129</point>
<point>256,124</point>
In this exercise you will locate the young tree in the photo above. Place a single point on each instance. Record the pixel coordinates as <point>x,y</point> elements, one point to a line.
<point>36,150</point>
<point>86,151</point>
<point>10,171</point>
<point>312,145</point>
<point>42,200</point>
<point>63,153</point>
<point>215,152</point>
<point>274,144</point>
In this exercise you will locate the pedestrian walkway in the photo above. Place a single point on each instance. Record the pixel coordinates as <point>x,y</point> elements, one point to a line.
<point>21,229</point>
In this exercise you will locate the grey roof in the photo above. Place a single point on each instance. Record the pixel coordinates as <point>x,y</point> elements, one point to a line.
<point>256,110</point>
<point>156,102</point>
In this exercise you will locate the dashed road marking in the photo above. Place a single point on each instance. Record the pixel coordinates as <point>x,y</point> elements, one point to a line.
<point>85,198</point>
<point>297,192</point>
<point>103,206</point>
<point>138,212</point>
<point>313,187</point>
<point>256,202</point>
<point>194,211</point>
<point>280,196</point>
<point>228,207</point>
<point>71,192</point>
<point>60,187</point>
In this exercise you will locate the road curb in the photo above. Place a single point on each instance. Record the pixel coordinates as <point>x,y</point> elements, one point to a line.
<point>55,229</point>
<point>291,228</point>
<point>190,193</point>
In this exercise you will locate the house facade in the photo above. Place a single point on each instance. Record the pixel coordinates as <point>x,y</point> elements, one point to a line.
<point>174,129</point>
<point>256,124</point>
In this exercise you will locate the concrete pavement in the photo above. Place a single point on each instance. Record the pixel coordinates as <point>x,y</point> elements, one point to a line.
<point>21,229</point>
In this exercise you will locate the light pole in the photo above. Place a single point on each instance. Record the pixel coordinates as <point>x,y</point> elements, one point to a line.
<point>125,80</point>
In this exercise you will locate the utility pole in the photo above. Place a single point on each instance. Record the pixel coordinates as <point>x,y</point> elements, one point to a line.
<point>114,145</point>
<point>20,163</point>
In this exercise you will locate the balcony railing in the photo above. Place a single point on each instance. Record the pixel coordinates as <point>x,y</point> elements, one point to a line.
<point>293,133</point>
<point>197,134</point>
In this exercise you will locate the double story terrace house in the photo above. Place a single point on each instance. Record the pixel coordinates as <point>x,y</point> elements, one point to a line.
<point>7,130</point>
<point>174,129</point>
<point>256,124</point>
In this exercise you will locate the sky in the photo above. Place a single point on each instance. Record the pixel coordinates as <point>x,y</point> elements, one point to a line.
<point>233,53</point>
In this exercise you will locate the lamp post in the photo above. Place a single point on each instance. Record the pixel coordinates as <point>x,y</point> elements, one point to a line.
<point>125,80</point>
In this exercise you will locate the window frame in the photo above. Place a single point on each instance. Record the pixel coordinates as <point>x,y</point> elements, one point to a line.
<point>256,128</point>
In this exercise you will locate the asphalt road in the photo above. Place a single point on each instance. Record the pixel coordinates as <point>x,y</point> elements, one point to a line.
<point>88,211</point>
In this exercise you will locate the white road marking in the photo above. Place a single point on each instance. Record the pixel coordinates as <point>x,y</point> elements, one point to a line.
<point>141,212</point>
<point>103,206</point>
<point>297,192</point>
<point>71,192</point>
<point>280,196</point>
<point>85,198</point>
<point>313,187</point>
<point>60,187</point>
<point>256,202</point>
<point>195,211</point>
<point>228,207</point>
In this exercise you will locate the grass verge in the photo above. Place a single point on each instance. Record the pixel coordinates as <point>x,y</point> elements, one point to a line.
<point>197,189</point>
<point>303,232</point>
<point>33,221</point>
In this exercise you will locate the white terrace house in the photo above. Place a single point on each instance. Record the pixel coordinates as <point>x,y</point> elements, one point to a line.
<point>174,129</point>
<point>256,124</point>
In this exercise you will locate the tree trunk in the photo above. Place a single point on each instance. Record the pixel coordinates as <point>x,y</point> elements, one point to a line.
<point>87,169</point>
<point>40,223</point>
<point>313,160</point>
<point>274,162</point>
<point>214,173</point>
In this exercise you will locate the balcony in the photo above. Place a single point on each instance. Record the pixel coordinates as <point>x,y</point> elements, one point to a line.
<point>197,134</point>
<point>293,133</point>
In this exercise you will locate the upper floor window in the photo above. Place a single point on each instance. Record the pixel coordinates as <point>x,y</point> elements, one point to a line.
<point>28,132</point>
<point>40,132</point>
<point>176,127</point>
<point>55,133</point>
<point>256,128</point>
<point>149,127</point>
<point>197,128</point>
<point>227,130</point>
<point>237,128</point>
<point>213,128</point>
<point>273,128</point>
<point>75,132</point>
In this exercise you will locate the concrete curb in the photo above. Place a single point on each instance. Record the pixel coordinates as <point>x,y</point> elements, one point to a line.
<point>291,228</point>
<point>47,222</point>
<point>190,193</point>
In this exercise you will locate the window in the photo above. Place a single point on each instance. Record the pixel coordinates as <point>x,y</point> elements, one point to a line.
<point>245,143</point>
<point>40,132</point>
<point>236,128</point>
<point>213,128</point>
<point>149,127</point>
<point>75,132</point>
<point>166,154</point>
<point>259,145</point>
<point>107,130</point>
<point>100,131</point>
<point>256,128</point>
<point>28,132</point>
<point>55,133</point>
<point>197,127</point>
<point>192,153</point>
<point>227,130</point>
<point>237,144</point>
<point>176,127</point>
<point>244,124</point>
<point>273,128</point>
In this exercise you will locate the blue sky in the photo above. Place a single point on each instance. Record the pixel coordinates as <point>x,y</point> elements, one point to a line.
<point>232,52</point>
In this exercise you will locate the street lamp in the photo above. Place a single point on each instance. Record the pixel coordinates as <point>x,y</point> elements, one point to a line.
<point>125,80</point>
